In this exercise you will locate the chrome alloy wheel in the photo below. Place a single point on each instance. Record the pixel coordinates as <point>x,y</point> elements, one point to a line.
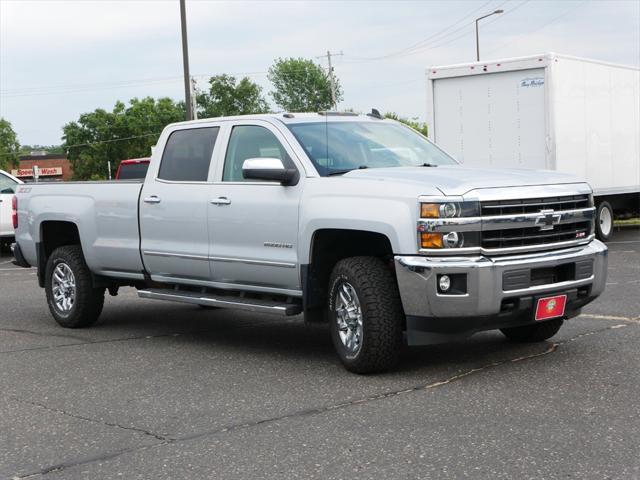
<point>63,287</point>
<point>349,318</point>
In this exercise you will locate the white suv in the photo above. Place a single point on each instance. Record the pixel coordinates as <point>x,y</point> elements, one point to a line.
<point>7,189</point>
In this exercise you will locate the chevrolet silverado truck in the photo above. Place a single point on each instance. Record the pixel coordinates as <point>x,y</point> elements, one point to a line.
<point>348,219</point>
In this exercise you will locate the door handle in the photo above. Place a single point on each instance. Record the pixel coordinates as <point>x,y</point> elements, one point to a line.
<point>152,199</point>
<point>221,201</point>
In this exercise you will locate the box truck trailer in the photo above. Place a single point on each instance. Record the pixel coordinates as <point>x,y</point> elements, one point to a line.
<point>549,111</point>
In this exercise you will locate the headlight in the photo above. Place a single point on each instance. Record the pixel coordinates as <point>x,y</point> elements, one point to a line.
<point>449,239</point>
<point>444,225</point>
<point>449,209</point>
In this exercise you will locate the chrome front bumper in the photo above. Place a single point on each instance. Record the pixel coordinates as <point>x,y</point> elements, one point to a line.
<point>485,294</point>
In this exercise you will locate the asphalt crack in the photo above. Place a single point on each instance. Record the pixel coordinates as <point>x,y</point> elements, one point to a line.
<point>43,334</point>
<point>165,440</point>
<point>85,341</point>
<point>92,420</point>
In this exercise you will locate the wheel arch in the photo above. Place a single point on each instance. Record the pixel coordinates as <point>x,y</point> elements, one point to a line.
<point>54,234</point>
<point>327,247</point>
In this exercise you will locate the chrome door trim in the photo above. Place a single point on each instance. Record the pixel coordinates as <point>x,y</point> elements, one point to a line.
<point>266,263</point>
<point>220,259</point>
<point>175,255</point>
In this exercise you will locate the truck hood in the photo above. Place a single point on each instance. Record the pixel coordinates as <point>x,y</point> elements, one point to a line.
<point>459,180</point>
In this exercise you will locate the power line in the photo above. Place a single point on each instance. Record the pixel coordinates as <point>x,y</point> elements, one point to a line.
<point>544,25</point>
<point>90,144</point>
<point>429,38</point>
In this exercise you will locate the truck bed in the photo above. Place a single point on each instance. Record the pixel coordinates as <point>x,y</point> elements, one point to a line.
<point>106,213</point>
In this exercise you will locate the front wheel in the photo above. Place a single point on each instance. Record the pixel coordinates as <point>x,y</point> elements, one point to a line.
<point>538,332</point>
<point>365,315</point>
<point>72,299</point>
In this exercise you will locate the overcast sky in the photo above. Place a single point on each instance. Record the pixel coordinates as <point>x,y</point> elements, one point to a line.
<point>59,59</point>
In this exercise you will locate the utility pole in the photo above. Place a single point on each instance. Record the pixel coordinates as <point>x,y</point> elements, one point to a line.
<point>185,61</point>
<point>331,77</point>
<point>194,99</point>
<point>478,37</point>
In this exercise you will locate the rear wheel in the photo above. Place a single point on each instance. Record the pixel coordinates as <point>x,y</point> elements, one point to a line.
<point>365,315</point>
<point>538,332</point>
<point>604,221</point>
<point>72,299</point>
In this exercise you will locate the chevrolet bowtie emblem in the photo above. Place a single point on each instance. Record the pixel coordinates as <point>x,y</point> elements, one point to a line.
<point>547,219</point>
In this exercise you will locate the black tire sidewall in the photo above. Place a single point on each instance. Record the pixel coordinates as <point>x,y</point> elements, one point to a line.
<point>599,233</point>
<point>88,302</point>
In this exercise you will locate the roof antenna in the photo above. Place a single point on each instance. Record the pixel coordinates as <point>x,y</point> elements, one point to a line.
<point>375,114</point>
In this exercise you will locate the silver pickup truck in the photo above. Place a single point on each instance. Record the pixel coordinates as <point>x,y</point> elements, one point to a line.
<point>350,219</point>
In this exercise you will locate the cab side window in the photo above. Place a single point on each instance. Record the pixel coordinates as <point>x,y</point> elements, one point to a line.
<point>7,185</point>
<point>187,155</point>
<point>250,141</point>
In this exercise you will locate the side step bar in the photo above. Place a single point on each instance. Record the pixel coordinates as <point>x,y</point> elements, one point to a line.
<point>239,303</point>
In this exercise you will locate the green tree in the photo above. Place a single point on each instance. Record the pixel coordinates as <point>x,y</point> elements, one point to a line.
<point>300,85</point>
<point>227,96</point>
<point>9,146</point>
<point>126,132</point>
<point>27,149</point>
<point>411,122</point>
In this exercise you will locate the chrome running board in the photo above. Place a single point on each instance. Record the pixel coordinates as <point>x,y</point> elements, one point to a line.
<point>239,303</point>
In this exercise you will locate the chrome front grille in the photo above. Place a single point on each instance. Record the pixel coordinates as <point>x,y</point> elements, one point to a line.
<point>535,222</point>
<point>534,205</point>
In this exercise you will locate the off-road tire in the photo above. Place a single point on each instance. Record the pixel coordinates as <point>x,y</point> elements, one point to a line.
<point>383,319</point>
<point>88,301</point>
<point>537,332</point>
<point>604,236</point>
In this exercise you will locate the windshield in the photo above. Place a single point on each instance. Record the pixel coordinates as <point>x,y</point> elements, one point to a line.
<point>337,147</point>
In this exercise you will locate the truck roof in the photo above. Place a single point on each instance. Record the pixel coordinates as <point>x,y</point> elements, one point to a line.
<point>295,117</point>
<point>509,64</point>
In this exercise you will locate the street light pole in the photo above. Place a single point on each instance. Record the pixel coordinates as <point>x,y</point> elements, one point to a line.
<point>478,37</point>
<point>185,61</point>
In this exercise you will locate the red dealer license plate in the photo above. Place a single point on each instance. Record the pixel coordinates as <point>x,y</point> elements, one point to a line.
<point>550,307</point>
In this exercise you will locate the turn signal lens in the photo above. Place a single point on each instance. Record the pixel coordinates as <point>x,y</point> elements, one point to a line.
<point>429,210</point>
<point>431,240</point>
<point>14,211</point>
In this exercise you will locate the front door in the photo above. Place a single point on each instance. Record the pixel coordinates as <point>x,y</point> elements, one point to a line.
<point>173,208</point>
<point>253,225</point>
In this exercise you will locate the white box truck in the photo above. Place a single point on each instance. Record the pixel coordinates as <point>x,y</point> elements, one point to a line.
<point>548,111</point>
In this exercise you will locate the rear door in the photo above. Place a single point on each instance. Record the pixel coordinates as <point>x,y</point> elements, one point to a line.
<point>253,225</point>
<point>173,207</point>
<point>7,189</point>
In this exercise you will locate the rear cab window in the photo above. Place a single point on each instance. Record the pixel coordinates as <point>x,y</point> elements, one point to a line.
<point>187,155</point>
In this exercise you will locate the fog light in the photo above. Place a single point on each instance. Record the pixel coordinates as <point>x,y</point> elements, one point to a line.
<point>444,283</point>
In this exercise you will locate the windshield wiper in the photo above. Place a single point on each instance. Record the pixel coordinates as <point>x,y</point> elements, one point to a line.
<point>428,165</point>
<point>347,170</point>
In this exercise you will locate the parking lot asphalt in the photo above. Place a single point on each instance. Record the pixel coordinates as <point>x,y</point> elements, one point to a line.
<point>161,390</point>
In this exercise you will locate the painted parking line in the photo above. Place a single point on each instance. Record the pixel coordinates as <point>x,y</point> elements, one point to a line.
<point>614,318</point>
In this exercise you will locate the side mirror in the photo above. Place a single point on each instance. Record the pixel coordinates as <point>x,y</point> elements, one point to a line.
<point>270,169</point>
